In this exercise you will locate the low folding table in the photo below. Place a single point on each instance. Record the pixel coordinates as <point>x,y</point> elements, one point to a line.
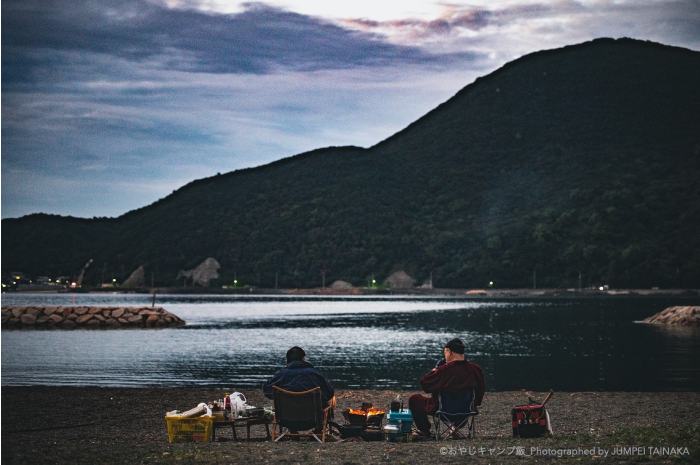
<point>241,422</point>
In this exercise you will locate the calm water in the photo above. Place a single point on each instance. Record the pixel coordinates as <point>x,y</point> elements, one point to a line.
<point>232,341</point>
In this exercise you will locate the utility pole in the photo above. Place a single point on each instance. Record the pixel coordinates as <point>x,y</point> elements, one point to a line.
<point>579,281</point>
<point>323,278</point>
<point>534,278</point>
<point>277,279</point>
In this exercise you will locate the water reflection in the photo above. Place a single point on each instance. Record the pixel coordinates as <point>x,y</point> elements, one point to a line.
<point>240,341</point>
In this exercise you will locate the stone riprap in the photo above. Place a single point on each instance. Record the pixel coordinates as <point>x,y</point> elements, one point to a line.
<point>88,318</point>
<point>676,316</point>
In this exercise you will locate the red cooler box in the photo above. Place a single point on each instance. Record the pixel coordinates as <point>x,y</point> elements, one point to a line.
<point>531,421</point>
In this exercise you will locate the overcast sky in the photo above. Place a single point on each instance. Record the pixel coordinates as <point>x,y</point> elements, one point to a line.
<point>110,105</point>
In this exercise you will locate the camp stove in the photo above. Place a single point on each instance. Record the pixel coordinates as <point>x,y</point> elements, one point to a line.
<point>365,423</point>
<point>366,416</point>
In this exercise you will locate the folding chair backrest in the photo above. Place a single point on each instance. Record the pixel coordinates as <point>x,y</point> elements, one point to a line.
<point>455,407</point>
<point>298,411</point>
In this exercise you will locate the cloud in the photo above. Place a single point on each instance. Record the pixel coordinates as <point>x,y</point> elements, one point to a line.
<point>133,90</point>
<point>107,120</point>
<point>108,106</point>
<point>497,25</point>
<point>258,40</point>
<point>454,20</point>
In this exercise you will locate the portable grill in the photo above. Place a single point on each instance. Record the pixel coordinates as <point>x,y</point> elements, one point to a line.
<point>364,418</point>
<point>365,423</point>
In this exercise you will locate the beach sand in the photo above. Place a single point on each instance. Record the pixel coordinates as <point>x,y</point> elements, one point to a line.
<point>87,425</point>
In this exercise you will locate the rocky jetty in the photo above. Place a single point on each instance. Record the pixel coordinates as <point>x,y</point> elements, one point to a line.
<point>676,316</point>
<point>88,318</point>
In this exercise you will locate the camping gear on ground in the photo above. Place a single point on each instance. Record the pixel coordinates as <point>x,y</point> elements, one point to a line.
<point>184,429</point>
<point>252,412</point>
<point>199,424</point>
<point>372,434</point>
<point>532,420</point>
<point>364,416</point>
<point>296,412</point>
<point>193,425</point>
<point>399,425</point>
<point>199,410</point>
<point>396,404</point>
<point>238,404</point>
<point>347,431</point>
<point>456,411</point>
<point>365,423</point>
<point>242,422</point>
<point>391,430</point>
<point>358,432</point>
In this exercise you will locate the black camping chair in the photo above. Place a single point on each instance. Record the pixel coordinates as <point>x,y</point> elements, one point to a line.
<point>299,411</point>
<point>456,412</point>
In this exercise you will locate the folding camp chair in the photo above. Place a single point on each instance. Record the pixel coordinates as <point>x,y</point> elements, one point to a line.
<point>299,411</point>
<point>456,412</point>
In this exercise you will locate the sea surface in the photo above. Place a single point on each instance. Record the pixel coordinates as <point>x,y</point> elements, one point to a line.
<point>362,342</point>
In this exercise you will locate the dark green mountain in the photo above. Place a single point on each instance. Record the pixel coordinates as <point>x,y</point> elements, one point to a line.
<point>584,159</point>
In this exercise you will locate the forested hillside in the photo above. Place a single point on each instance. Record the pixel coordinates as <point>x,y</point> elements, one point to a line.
<point>577,161</point>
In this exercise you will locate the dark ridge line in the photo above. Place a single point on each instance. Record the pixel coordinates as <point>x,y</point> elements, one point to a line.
<point>356,150</point>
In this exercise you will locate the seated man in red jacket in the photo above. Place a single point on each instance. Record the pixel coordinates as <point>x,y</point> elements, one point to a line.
<point>452,374</point>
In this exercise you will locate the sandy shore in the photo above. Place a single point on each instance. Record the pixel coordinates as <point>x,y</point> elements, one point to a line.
<point>63,425</point>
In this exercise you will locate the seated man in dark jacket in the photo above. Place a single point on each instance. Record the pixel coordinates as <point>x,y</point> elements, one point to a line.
<point>453,374</point>
<point>299,375</point>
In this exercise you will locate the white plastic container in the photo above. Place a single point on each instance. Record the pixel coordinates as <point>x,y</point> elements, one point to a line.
<point>238,404</point>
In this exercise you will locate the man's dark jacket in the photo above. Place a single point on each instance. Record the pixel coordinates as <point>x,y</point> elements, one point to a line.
<point>454,377</point>
<point>299,376</point>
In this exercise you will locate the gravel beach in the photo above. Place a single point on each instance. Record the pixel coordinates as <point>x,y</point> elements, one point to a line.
<point>66,425</point>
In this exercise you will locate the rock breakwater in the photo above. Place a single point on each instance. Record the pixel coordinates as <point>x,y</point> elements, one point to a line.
<point>88,318</point>
<point>676,316</point>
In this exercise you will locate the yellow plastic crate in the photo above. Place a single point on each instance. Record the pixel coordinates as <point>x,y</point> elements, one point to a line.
<point>198,429</point>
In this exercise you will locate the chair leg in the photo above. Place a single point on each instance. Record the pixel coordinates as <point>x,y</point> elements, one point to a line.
<point>472,427</point>
<point>444,430</point>
<point>451,432</point>
<point>457,432</point>
<point>328,411</point>
<point>440,430</point>
<point>436,427</point>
